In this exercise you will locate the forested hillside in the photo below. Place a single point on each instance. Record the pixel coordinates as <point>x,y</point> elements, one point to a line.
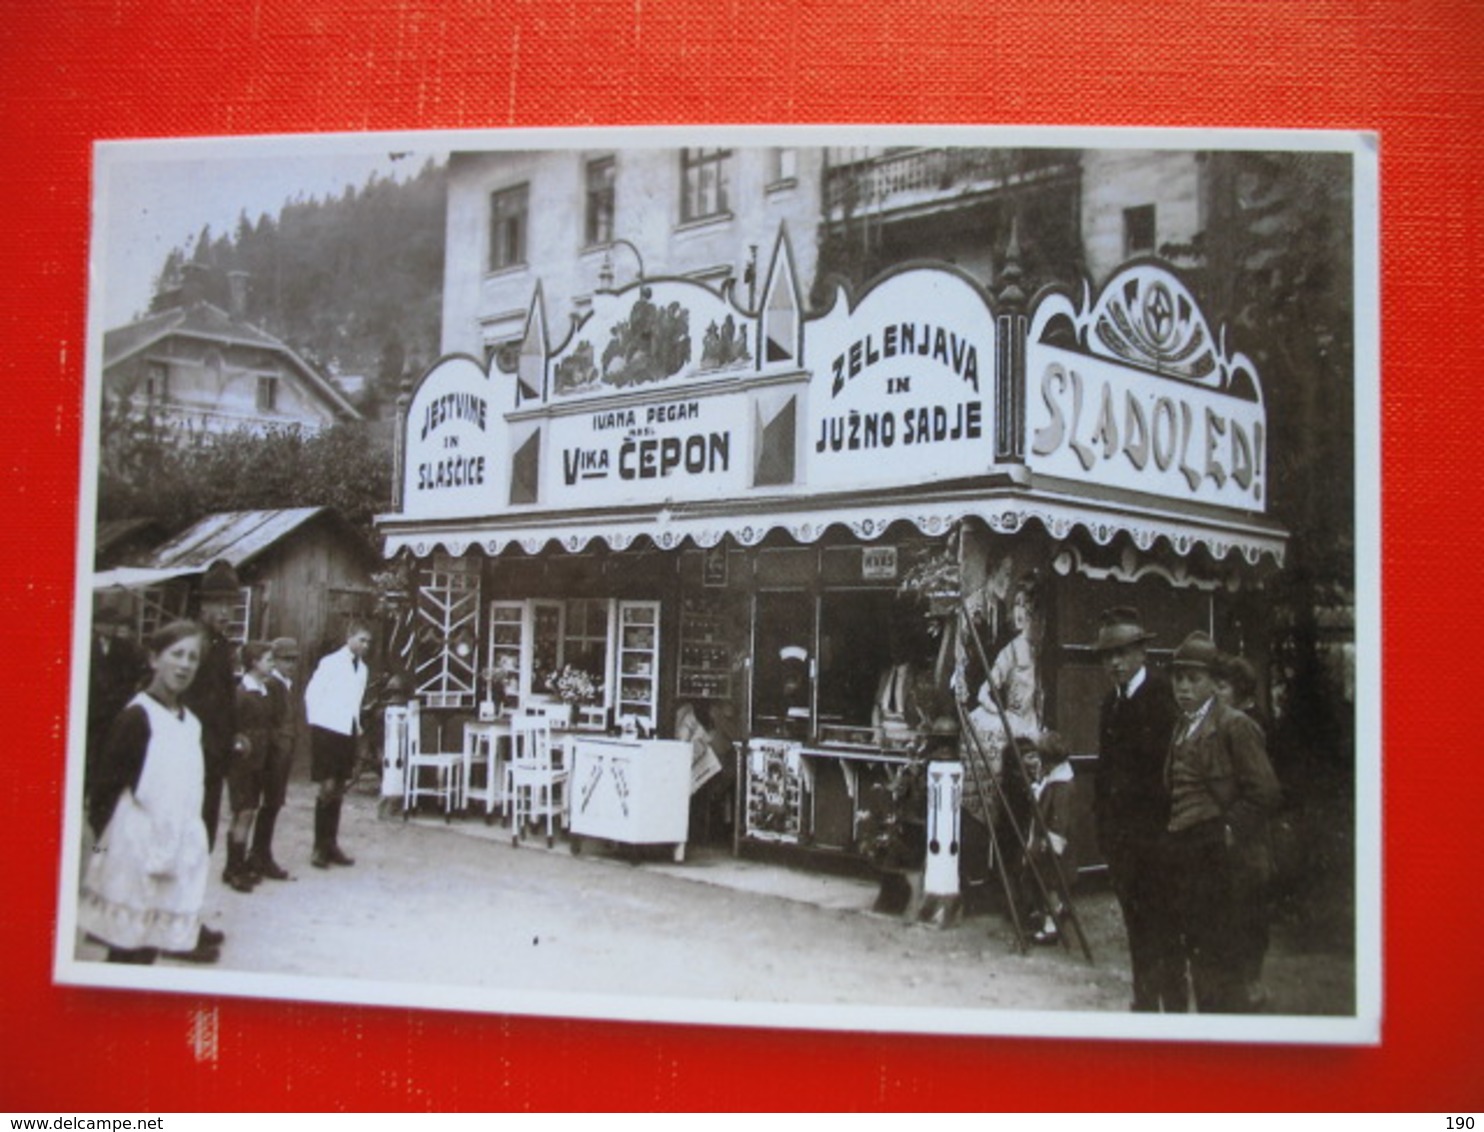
<point>353,283</point>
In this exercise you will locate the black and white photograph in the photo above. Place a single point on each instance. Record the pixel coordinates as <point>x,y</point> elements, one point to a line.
<point>870,578</point>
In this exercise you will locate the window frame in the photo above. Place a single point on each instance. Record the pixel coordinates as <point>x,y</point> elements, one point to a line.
<point>1134,218</point>
<point>600,202</point>
<point>698,201</point>
<point>509,247</point>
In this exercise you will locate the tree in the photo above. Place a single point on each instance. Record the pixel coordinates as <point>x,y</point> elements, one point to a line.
<point>178,475</point>
<point>1274,263</point>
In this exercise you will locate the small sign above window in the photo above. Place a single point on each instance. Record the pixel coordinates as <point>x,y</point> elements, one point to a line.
<point>879,562</point>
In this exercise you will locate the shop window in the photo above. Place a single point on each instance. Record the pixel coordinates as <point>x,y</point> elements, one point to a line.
<point>1138,231</point>
<point>705,176</point>
<point>875,656</point>
<point>784,664</point>
<point>509,211</point>
<point>600,201</point>
<point>445,656</point>
<point>854,651</point>
<point>585,640</point>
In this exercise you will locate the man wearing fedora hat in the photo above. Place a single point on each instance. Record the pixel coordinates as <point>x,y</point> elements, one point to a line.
<point>1131,805</point>
<point>1222,791</point>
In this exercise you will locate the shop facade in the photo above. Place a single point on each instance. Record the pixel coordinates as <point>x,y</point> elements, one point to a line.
<point>776,522</point>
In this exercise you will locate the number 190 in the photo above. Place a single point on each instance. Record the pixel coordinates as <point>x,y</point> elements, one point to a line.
<point>1460,1124</point>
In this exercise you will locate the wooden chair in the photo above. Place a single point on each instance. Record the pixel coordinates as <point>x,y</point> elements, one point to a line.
<point>425,760</point>
<point>537,783</point>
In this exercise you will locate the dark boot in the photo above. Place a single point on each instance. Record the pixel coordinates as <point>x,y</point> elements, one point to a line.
<point>261,856</point>
<point>235,875</point>
<point>332,844</point>
<point>321,858</point>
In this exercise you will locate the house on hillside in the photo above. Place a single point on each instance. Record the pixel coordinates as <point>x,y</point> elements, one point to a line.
<point>304,572</point>
<point>203,368</point>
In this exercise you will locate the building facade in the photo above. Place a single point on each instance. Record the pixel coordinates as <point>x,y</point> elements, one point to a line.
<point>198,367</point>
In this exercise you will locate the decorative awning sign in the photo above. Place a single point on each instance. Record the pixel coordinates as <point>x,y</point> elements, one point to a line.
<point>1146,398</point>
<point>672,413</point>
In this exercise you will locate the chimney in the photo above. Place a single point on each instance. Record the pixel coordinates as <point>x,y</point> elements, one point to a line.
<point>195,279</point>
<point>237,294</point>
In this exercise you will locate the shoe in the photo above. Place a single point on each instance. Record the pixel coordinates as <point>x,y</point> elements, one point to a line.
<point>337,857</point>
<point>238,881</point>
<point>207,937</point>
<point>1045,937</point>
<point>321,859</point>
<point>201,953</point>
<point>269,869</point>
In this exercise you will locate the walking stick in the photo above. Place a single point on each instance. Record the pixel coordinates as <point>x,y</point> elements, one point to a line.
<point>1063,889</point>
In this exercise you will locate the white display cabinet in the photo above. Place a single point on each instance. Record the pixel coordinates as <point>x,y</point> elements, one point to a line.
<point>637,660</point>
<point>634,792</point>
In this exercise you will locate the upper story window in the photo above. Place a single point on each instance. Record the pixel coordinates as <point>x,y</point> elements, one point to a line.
<point>1138,231</point>
<point>267,393</point>
<point>705,179</point>
<point>783,167</point>
<point>599,226</point>
<point>509,212</point>
<point>156,382</point>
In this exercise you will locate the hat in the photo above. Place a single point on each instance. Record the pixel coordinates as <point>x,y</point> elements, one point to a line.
<point>286,647</point>
<point>1120,628</point>
<point>1196,651</point>
<point>220,580</point>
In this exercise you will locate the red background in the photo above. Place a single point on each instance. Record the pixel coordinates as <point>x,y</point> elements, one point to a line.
<point>76,71</point>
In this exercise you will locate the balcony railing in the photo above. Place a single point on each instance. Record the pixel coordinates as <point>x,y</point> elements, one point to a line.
<point>926,176</point>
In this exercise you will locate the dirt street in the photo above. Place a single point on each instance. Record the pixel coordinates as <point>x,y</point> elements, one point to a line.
<point>457,906</point>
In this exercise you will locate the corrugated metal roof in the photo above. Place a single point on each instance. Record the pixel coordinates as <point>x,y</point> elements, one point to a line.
<point>237,536</point>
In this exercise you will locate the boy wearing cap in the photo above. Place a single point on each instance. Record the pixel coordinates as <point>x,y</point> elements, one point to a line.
<point>1222,791</point>
<point>287,710</point>
<point>1131,805</point>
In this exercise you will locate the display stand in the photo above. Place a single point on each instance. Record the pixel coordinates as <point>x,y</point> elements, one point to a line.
<point>634,792</point>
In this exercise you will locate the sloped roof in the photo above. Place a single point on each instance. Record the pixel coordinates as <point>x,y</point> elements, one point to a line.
<point>210,322</point>
<point>237,536</point>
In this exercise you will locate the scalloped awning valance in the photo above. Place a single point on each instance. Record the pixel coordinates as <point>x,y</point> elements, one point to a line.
<point>1004,508</point>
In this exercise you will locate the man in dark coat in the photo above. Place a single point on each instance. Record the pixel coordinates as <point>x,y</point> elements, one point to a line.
<point>1132,806</point>
<point>212,695</point>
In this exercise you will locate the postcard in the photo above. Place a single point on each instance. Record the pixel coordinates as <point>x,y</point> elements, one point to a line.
<point>892,579</point>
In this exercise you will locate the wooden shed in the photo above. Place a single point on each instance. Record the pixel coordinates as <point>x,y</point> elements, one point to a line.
<point>304,571</point>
